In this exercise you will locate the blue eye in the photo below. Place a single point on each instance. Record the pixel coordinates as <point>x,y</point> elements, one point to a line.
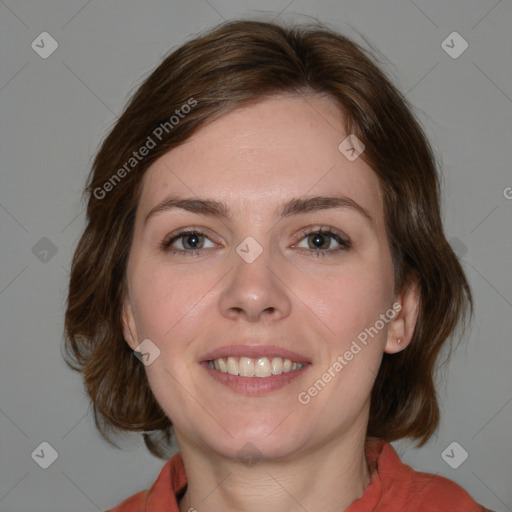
<point>319,242</point>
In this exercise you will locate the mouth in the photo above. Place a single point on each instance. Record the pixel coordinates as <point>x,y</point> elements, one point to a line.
<point>254,369</point>
<point>260,367</point>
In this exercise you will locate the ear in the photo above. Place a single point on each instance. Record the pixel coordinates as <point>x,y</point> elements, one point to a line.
<point>129,325</point>
<point>401,328</point>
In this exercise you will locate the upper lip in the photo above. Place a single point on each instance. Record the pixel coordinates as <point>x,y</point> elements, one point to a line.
<point>254,352</point>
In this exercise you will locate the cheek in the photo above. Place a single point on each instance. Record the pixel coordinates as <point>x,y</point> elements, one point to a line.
<point>350,299</point>
<point>163,298</point>
<point>169,310</point>
<point>349,305</point>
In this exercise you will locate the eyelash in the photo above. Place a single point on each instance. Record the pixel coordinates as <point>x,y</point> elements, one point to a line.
<point>345,244</point>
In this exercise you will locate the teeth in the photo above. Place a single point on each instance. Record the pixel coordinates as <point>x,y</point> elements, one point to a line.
<point>249,367</point>
<point>262,367</point>
<point>223,367</point>
<point>246,367</point>
<point>232,366</point>
<point>277,366</point>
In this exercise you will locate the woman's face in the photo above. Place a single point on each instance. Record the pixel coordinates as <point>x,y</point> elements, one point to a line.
<point>261,284</point>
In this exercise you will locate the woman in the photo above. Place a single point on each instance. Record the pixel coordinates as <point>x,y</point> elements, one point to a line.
<point>264,270</point>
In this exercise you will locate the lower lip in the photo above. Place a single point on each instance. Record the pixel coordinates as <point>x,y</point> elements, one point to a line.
<point>255,385</point>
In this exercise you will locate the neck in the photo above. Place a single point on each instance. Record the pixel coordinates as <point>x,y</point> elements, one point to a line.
<point>327,479</point>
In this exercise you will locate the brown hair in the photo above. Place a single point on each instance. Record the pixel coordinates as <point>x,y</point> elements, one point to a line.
<point>235,64</point>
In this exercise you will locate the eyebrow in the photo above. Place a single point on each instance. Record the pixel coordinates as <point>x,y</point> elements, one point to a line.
<point>294,206</point>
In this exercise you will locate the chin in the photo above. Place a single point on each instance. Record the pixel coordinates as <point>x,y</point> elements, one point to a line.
<point>261,443</point>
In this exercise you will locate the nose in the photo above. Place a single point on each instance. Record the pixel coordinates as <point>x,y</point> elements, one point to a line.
<point>255,291</point>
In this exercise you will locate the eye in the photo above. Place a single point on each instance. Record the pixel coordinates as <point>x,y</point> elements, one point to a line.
<point>187,242</point>
<point>320,241</point>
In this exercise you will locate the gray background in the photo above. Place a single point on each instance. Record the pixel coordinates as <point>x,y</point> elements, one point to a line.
<point>55,111</point>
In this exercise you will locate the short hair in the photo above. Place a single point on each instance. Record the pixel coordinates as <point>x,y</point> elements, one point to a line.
<point>240,63</point>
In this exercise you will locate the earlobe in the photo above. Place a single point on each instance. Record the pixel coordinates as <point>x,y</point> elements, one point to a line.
<point>397,340</point>
<point>128,325</point>
<point>401,328</point>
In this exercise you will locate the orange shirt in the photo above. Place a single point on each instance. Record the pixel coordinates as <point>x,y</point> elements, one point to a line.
<point>394,486</point>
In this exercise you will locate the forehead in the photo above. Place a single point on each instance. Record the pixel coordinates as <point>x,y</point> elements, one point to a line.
<point>257,156</point>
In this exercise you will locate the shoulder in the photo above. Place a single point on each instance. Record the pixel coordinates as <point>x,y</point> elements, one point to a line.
<point>439,494</point>
<point>423,492</point>
<point>162,494</point>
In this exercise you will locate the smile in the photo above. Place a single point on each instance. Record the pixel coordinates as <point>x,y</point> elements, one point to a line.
<point>254,367</point>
